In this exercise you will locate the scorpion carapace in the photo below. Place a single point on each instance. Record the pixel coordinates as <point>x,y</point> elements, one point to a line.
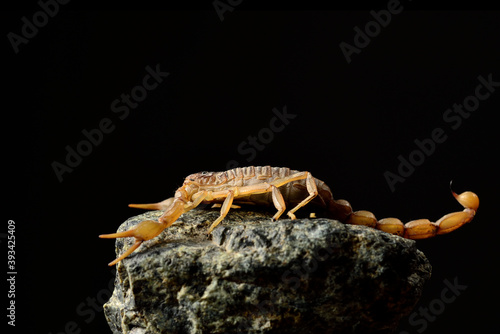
<point>280,186</point>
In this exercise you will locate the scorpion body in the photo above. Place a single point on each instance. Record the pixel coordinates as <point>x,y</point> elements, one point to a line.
<point>292,192</point>
<point>280,187</point>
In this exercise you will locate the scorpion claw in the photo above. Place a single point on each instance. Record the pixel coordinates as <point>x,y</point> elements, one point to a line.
<point>145,230</point>
<point>154,206</point>
<point>126,253</point>
<point>129,233</point>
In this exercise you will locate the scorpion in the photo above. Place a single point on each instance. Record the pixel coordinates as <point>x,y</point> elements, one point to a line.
<point>280,186</point>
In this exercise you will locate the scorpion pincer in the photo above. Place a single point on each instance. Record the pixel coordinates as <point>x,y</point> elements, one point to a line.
<point>280,186</point>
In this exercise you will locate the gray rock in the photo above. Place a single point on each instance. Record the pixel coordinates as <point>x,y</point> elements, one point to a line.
<point>253,275</point>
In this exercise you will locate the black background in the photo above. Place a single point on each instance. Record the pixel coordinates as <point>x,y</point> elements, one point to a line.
<point>352,122</point>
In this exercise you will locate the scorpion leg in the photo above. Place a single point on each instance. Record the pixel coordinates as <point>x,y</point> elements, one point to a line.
<point>279,202</point>
<point>218,205</point>
<point>310,184</point>
<point>277,197</point>
<point>199,197</point>
<point>224,210</point>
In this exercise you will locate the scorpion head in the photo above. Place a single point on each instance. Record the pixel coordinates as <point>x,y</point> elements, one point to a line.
<point>199,178</point>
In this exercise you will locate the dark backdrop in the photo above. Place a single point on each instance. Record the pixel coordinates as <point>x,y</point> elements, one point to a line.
<point>348,123</point>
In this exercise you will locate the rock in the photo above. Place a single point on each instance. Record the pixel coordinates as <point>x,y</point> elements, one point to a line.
<point>253,275</point>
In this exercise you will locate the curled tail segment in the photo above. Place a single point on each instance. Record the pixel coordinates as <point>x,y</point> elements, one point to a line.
<point>415,229</point>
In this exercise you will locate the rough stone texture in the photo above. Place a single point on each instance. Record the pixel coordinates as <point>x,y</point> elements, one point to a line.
<point>253,275</point>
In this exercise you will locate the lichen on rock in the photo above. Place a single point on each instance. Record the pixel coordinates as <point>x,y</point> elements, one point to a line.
<point>252,275</point>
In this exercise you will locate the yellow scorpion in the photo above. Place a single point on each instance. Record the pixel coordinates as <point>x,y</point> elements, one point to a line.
<point>281,186</point>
